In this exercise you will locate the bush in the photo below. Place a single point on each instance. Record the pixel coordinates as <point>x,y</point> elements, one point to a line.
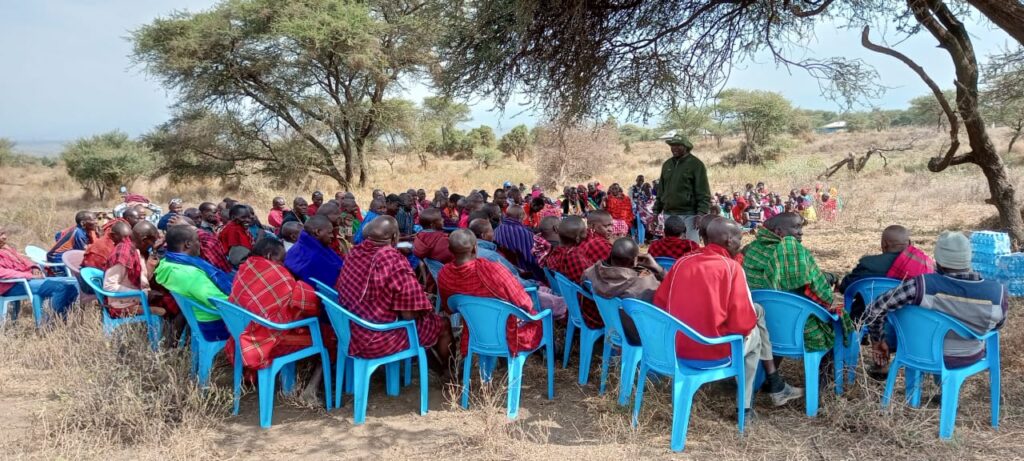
<point>572,154</point>
<point>486,156</point>
<point>516,143</point>
<point>104,162</point>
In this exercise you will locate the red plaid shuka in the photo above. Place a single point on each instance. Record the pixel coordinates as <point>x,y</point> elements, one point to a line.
<point>377,284</point>
<point>570,262</point>
<point>126,255</point>
<point>672,247</point>
<point>488,279</point>
<point>234,235</point>
<point>911,263</point>
<point>267,289</point>
<point>620,208</point>
<point>595,248</point>
<point>13,266</point>
<point>212,251</point>
<point>541,248</point>
<point>105,230</point>
<point>99,253</point>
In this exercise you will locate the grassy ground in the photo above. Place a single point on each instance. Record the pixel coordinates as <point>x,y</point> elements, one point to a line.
<point>70,393</point>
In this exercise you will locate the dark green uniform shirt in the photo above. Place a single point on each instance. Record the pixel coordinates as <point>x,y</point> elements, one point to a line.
<point>683,187</point>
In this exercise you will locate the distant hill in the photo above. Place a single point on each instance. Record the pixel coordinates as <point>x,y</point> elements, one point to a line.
<point>39,148</point>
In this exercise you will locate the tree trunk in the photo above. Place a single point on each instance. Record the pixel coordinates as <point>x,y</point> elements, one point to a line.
<point>1007,14</point>
<point>1013,139</point>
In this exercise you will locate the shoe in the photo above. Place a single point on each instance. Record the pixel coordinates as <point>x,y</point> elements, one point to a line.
<point>786,394</point>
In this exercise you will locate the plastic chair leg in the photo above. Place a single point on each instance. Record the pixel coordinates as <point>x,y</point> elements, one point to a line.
<point>630,360</point>
<point>339,378</point>
<point>424,384</point>
<point>204,363</point>
<point>913,382</point>
<point>361,385</point>
<point>994,386</point>
<point>950,401</point>
<point>515,383</point>
<point>287,374</point>
<point>266,395</point>
<point>682,400</point>
<point>890,383</point>
<point>237,382</point>
<point>407,378</point>
<point>487,365</point>
<point>838,363</point>
<point>606,355</point>
<point>391,376</point>
<point>586,354</point>
<point>812,364</point>
<point>467,377</point>
<point>549,351</point>
<point>638,400</point>
<point>570,331</point>
<point>325,365</point>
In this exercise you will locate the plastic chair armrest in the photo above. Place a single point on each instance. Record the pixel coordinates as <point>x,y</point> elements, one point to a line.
<point>522,315</point>
<point>694,335</point>
<point>307,322</point>
<point>125,294</point>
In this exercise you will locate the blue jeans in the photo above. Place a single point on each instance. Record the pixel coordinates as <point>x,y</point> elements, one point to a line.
<point>61,291</point>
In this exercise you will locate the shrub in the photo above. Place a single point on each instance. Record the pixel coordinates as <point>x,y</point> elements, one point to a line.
<point>104,162</point>
<point>574,153</point>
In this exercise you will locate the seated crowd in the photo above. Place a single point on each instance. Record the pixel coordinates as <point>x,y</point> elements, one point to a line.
<point>498,245</point>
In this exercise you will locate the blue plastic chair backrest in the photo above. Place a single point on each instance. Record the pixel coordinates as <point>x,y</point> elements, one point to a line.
<point>340,318</point>
<point>921,333</point>
<point>235,318</point>
<point>868,289</point>
<point>434,266</point>
<point>665,262</point>
<point>93,277</point>
<point>487,318</point>
<point>552,282</point>
<point>658,330</point>
<point>609,309</point>
<point>570,293</point>
<point>322,287</point>
<point>186,305</point>
<point>785,315</point>
<point>35,253</point>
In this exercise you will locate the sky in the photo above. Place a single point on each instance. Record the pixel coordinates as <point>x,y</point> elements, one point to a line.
<point>66,70</point>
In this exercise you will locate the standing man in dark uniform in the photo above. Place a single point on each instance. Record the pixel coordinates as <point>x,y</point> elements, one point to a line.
<point>683,188</point>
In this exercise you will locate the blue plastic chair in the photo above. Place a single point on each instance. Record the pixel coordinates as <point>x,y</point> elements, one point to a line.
<point>785,315</point>
<point>920,334</point>
<point>614,336</point>
<point>363,368</point>
<point>487,318</point>
<point>94,278</point>
<point>588,336</point>
<point>327,290</point>
<point>434,266</point>
<point>38,256</point>
<point>665,262</point>
<point>37,302</point>
<point>659,330</point>
<point>203,352</point>
<point>237,319</point>
<point>868,289</point>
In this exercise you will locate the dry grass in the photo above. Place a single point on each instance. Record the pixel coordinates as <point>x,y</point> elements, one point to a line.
<point>70,393</point>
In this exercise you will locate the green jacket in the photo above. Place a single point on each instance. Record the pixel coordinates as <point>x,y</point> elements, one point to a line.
<point>683,187</point>
<point>191,282</point>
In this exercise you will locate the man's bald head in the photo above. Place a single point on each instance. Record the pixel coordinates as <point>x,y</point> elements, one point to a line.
<point>430,218</point>
<point>895,239</point>
<point>624,253</point>
<point>462,244</point>
<point>131,215</point>
<point>482,229</point>
<point>515,213</point>
<point>320,228</point>
<point>178,220</point>
<point>725,233</point>
<point>144,234</point>
<point>120,231</point>
<point>381,229</point>
<point>571,230</point>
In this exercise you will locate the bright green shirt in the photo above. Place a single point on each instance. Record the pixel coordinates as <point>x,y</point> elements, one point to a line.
<point>191,282</point>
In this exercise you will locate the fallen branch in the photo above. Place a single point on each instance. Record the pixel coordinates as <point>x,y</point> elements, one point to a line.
<point>855,164</point>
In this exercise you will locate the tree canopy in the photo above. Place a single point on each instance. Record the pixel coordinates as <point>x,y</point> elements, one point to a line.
<point>277,72</point>
<point>104,162</point>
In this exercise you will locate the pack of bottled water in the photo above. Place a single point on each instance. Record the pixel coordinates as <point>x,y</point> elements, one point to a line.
<point>987,247</point>
<point>1010,271</point>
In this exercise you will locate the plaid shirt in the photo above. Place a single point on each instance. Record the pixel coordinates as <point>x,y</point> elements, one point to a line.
<point>785,264</point>
<point>377,284</point>
<point>672,247</point>
<point>571,262</point>
<point>213,251</point>
<point>267,289</point>
<point>541,248</point>
<point>488,279</point>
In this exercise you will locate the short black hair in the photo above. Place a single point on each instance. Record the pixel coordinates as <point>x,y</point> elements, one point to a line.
<point>675,226</point>
<point>178,236</point>
<point>266,247</point>
<point>392,198</point>
<point>236,210</point>
<point>80,216</point>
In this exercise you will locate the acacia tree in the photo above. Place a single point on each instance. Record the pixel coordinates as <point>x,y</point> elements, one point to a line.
<point>318,71</point>
<point>516,142</point>
<point>104,162</point>
<point>581,58</point>
<point>760,115</point>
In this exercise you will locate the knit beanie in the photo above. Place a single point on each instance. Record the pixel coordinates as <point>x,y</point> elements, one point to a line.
<point>953,251</point>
